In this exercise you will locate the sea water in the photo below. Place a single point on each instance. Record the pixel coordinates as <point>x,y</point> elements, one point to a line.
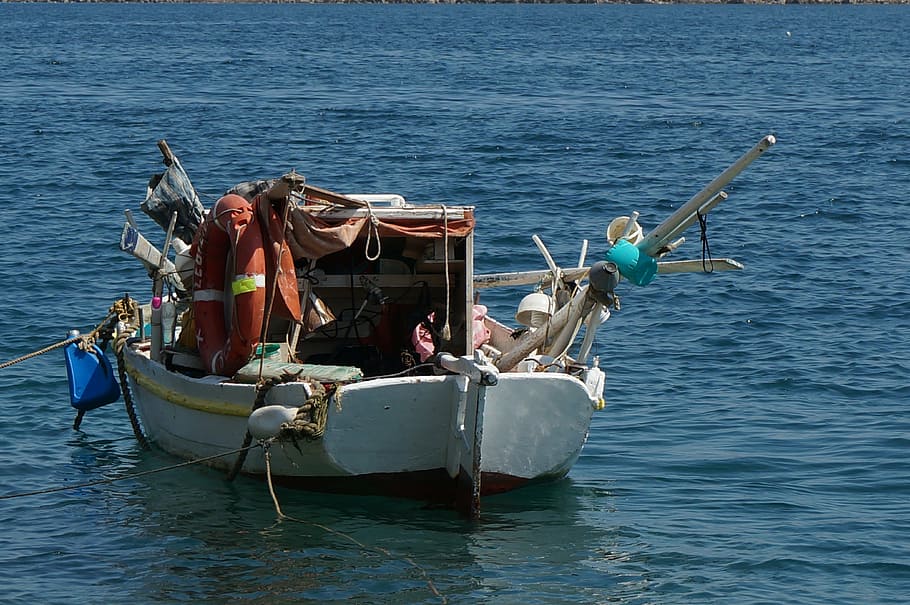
<point>755,443</point>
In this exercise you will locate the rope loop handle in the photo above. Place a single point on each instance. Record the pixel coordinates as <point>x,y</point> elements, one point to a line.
<point>372,232</point>
<point>707,262</point>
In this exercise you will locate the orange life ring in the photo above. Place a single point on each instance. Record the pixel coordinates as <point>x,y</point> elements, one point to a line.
<point>229,237</point>
<point>278,260</point>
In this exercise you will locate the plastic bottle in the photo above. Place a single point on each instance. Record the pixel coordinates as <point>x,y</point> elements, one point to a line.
<point>168,319</point>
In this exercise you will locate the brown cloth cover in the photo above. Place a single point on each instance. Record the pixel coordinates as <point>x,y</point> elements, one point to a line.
<point>314,236</point>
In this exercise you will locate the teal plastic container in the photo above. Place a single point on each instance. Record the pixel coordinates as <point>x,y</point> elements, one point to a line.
<point>633,264</point>
<point>272,351</point>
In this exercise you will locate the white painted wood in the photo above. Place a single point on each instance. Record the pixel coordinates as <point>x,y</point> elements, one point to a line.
<point>698,266</point>
<point>533,424</point>
<point>528,278</point>
<point>389,212</point>
<point>525,278</point>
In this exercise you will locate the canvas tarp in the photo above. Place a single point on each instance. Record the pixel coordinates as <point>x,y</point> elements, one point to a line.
<point>315,236</point>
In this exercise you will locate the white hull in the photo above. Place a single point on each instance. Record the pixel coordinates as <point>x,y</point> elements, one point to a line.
<point>392,435</point>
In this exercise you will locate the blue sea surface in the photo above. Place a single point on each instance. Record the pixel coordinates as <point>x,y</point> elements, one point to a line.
<point>755,447</point>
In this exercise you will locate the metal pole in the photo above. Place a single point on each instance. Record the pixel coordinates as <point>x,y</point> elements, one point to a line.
<point>652,242</point>
<point>478,442</point>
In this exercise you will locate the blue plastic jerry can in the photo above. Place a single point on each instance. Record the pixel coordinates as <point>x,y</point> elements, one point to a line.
<point>91,377</point>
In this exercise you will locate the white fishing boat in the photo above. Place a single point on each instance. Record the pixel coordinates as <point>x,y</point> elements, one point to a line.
<point>334,342</point>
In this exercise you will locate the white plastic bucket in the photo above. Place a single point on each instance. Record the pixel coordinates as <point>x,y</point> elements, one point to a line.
<point>618,225</point>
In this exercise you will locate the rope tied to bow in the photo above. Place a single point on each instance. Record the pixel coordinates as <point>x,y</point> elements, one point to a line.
<point>309,422</point>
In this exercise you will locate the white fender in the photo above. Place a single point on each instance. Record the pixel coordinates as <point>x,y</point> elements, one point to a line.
<point>266,422</point>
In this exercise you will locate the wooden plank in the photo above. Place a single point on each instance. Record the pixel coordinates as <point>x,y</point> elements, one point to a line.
<point>383,281</point>
<point>698,266</point>
<point>527,278</point>
<point>166,153</point>
<point>324,195</point>
<point>386,212</point>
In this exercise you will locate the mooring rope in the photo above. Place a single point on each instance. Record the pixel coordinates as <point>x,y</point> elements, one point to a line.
<point>60,344</point>
<point>283,517</point>
<point>110,480</point>
<point>127,311</point>
<point>262,388</point>
<point>128,402</point>
<point>446,334</point>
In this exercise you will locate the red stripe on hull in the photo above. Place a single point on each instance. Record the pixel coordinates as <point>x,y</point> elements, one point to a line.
<point>432,486</point>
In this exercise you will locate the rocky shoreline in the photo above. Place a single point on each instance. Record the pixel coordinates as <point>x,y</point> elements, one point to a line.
<point>856,2</point>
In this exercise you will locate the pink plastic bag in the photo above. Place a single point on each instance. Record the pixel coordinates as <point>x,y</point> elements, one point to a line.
<point>423,340</point>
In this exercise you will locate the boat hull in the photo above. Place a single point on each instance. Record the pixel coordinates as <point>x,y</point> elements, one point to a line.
<point>409,436</point>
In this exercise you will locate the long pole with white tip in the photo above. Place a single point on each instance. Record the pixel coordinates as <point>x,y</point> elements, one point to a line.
<point>654,240</point>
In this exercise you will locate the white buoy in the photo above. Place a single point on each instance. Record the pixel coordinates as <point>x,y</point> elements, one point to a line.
<point>534,310</point>
<point>266,422</point>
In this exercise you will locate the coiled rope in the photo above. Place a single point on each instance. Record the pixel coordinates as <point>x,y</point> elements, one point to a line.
<point>309,422</point>
<point>121,321</point>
